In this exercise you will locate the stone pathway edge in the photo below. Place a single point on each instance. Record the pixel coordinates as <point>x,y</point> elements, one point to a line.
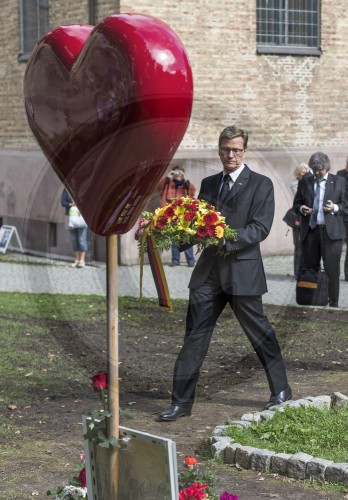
<point>299,465</point>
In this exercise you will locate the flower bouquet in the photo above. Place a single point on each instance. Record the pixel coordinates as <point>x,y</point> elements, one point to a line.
<point>185,221</point>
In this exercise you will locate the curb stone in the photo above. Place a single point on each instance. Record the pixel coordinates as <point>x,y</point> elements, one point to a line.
<point>299,465</point>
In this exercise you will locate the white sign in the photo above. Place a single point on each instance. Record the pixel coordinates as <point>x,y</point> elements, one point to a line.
<point>6,235</point>
<point>147,467</point>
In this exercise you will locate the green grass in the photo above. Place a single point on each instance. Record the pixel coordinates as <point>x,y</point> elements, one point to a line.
<point>320,433</point>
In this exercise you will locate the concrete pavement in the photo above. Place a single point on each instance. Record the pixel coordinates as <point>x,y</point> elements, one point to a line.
<point>23,273</point>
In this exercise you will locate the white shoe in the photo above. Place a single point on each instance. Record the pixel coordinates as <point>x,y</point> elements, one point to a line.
<point>81,264</point>
<point>74,264</point>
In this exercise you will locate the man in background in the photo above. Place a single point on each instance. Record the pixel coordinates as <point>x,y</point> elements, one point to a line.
<point>344,173</point>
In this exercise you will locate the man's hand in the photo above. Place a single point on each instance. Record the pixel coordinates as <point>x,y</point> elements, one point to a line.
<point>306,210</point>
<point>329,206</point>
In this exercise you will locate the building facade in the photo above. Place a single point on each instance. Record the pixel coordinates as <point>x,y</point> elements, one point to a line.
<point>275,68</point>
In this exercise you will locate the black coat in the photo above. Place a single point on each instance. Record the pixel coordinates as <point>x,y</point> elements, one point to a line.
<point>249,208</point>
<point>334,191</point>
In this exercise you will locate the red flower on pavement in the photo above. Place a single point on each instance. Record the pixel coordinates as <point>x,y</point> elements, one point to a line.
<point>193,492</point>
<point>82,478</point>
<point>190,461</point>
<point>99,381</point>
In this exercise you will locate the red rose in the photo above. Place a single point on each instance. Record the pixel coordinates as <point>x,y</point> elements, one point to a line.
<point>82,478</point>
<point>190,461</point>
<point>99,381</point>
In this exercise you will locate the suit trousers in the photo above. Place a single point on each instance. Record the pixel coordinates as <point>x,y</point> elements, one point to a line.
<point>316,246</point>
<point>205,306</point>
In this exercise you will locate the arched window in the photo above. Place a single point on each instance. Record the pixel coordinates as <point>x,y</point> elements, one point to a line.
<point>288,27</point>
<point>34,22</point>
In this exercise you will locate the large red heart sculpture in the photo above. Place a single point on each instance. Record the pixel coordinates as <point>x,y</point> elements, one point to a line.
<point>109,107</point>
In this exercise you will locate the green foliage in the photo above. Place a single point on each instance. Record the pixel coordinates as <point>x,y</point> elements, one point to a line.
<point>201,474</point>
<point>320,433</point>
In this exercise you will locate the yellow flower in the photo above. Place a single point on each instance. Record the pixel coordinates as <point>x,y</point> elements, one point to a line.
<point>219,232</point>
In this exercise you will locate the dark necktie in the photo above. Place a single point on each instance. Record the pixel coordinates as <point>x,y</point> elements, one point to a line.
<point>224,190</point>
<point>314,214</point>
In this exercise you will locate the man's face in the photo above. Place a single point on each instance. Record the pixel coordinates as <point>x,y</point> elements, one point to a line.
<point>319,172</point>
<point>232,153</point>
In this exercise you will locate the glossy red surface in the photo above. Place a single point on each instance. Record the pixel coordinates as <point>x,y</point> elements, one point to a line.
<point>109,107</point>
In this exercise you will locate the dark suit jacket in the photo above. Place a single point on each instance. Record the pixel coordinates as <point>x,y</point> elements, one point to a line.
<point>344,173</point>
<point>334,191</point>
<point>249,208</point>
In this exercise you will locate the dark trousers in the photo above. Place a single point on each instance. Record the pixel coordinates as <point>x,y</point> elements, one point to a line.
<point>205,306</point>
<point>346,258</point>
<point>297,250</point>
<point>316,246</point>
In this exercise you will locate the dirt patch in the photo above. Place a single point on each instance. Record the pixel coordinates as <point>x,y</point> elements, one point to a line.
<point>232,383</point>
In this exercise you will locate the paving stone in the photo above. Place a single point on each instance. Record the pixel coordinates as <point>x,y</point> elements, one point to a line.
<point>219,430</point>
<point>230,453</point>
<point>279,463</point>
<point>219,446</point>
<point>297,464</point>
<point>251,417</point>
<point>241,423</point>
<point>339,400</point>
<point>321,402</point>
<point>266,415</point>
<point>316,468</point>
<point>261,460</point>
<point>335,473</point>
<point>243,455</point>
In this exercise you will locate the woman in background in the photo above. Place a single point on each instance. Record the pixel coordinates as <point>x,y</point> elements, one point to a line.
<point>300,171</point>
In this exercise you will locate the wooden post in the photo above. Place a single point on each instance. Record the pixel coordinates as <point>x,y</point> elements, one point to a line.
<point>113,361</point>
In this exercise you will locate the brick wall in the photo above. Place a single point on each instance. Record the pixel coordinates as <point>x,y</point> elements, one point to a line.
<point>291,105</point>
<point>282,100</point>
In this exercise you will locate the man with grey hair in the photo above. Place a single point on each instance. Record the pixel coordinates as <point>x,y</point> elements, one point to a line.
<point>320,199</point>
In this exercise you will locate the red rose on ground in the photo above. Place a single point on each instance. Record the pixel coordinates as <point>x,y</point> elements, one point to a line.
<point>190,461</point>
<point>99,381</point>
<point>82,478</point>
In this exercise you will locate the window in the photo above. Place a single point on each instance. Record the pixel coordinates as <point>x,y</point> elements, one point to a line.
<point>288,27</point>
<point>34,23</point>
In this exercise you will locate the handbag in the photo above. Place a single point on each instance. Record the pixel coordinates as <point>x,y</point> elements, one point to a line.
<point>292,219</point>
<point>76,220</point>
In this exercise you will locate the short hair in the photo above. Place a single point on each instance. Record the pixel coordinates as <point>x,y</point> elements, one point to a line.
<point>299,169</point>
<point>232,132</point>
<point>319,160</point>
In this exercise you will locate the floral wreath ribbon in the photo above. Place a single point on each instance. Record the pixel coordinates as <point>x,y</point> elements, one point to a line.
<point>156,269</point>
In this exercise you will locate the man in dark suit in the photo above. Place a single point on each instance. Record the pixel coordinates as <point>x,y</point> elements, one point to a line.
<point>246,199</point>
<point>344,173</point>
<point>320,200</point>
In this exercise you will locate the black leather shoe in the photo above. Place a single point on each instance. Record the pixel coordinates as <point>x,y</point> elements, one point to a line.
<point>174,412</point>
<point>279,398</point>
